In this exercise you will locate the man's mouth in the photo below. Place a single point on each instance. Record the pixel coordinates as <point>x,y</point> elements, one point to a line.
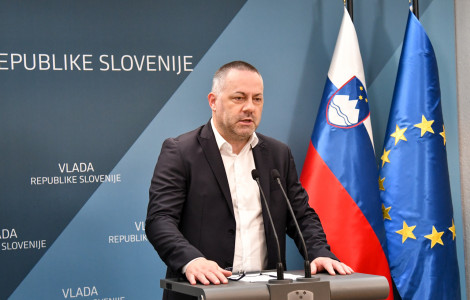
<point>246,121</point>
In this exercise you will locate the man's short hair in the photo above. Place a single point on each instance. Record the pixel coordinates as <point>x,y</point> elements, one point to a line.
<point>219,76</point>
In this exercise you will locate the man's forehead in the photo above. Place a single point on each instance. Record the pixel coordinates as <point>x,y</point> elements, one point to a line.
<point>245,78</point>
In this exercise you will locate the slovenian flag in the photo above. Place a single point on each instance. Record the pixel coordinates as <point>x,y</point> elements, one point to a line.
<point>414,178</point>
<point>340,172</point>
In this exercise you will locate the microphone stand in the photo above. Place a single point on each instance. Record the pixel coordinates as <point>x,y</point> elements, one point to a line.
<point>308,272</point>
<point>279,267</point>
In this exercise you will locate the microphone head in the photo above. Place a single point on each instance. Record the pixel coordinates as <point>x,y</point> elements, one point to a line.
<point>275,174</point>
<point>255,174</point>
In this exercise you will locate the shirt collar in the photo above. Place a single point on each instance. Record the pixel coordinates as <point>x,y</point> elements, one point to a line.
<point>253,141</point>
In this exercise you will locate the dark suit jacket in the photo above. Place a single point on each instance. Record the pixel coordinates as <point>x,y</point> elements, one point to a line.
<point>190,211</point>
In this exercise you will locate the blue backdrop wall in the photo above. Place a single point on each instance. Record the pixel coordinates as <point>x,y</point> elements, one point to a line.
<point>89,91</point>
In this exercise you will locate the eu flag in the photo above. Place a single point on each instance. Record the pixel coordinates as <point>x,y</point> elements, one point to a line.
<point>414,178</point>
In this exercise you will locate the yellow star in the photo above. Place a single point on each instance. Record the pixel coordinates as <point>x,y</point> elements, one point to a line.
<point>381,184</point>
<point>385,212</point>
<point>360,97</point>
<point>435,237</point>
<point>452,229</point>
<point>443,134</point>
<point>399,134</point>
<point>425,125</point>
<point>367,100</point>
<point>361,88</point>
<point>384,157</point>
<point>406,232</point>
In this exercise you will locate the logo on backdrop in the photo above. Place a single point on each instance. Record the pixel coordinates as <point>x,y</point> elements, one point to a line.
<point>137,237</point>
<point>348,107</point>
<point>85,292</point>
<point>11,241</point>
<point>75,173</point>
<point>88,62</point>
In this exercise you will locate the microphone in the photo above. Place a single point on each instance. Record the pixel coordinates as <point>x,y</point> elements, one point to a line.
<point>279,267</point>
<point>308,272</point>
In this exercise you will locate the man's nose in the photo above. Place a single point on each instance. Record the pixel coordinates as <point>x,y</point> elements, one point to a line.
<point>249,104</point>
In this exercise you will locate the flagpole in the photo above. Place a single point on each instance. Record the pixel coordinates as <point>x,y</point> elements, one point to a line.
<point>349,7</point>
<point>415,6</point>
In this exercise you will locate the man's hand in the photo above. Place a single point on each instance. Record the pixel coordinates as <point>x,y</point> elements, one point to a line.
<point>330,265</point>
<point>206,272</point>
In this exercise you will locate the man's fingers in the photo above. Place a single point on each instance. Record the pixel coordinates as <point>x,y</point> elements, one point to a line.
<point>223,274</point>
<point>212,278</point>
<point>219,276</point>
<point>331,266</point>
<point>313,268</point>
<point>208,277</point>
<point>191,278</point>
<point>202,279</point>
<point>342,268</point>
<point>226,273</point>
<point>348,269</point>
<point>337,268</point>
<point>206,272</point>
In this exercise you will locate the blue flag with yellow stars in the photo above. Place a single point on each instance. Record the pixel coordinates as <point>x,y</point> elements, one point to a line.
<point>414,178</point>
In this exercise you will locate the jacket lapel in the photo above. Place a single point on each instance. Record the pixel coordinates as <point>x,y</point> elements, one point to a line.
<point>261,155</point>
<point>213,157</point>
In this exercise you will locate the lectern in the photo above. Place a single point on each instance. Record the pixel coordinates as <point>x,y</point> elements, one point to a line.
<point>356,286</point>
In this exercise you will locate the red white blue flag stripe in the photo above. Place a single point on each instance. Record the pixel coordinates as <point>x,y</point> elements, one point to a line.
<point>340,172</point>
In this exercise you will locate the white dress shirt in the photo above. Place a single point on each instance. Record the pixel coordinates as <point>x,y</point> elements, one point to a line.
<point>250,240</point>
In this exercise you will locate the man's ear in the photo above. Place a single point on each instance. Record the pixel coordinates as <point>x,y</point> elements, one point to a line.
<point>211,98</point>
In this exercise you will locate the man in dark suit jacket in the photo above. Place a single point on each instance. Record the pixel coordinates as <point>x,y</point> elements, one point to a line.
<point>196,194</point>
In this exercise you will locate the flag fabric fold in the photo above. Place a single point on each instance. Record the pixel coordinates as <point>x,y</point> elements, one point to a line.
<point>414,178</point>
<point>340,171</point>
